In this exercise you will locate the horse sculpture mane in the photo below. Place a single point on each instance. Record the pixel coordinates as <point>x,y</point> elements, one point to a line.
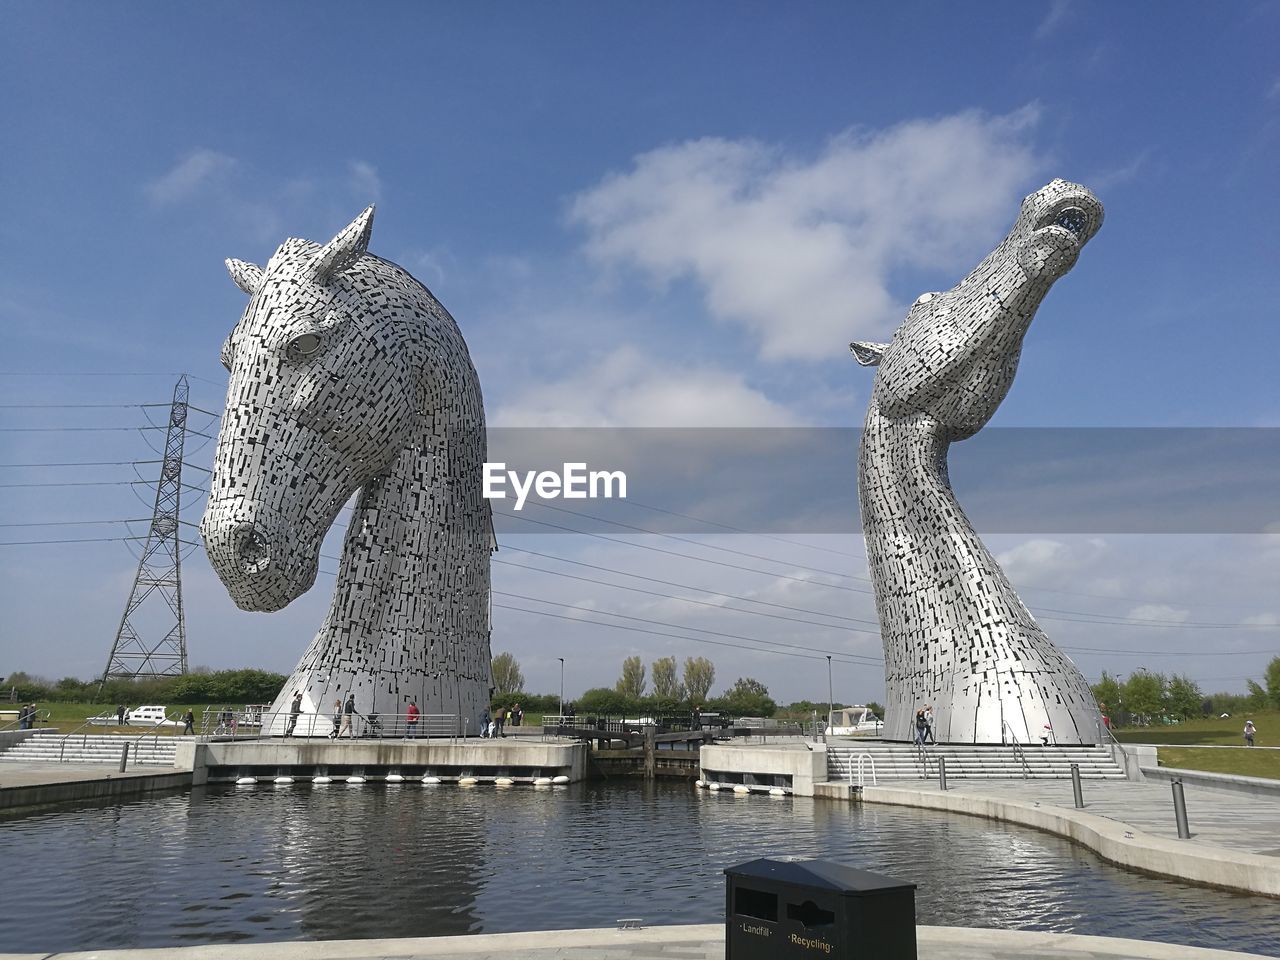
<point>346,376</point>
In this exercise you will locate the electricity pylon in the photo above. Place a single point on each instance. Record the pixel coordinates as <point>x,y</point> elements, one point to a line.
<point>159,569</point>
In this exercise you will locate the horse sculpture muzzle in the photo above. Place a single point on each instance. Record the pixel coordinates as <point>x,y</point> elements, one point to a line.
<point>263,565</point>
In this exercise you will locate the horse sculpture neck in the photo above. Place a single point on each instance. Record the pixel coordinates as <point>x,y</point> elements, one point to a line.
<point>409,614</point>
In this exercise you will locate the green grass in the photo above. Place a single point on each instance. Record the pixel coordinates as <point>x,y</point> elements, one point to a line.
<point>68,716</point>
<point>1207,732</point>
<point>1241,761</point>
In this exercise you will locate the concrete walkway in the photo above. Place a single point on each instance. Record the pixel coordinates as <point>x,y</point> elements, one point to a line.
<point>34,784</point>
<point>1234,845</point>
<point>703,942</point>
<point>1217,817</point>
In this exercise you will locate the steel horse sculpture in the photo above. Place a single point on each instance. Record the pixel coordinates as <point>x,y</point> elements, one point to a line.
<point>346,376</point>
<point>955,633</point>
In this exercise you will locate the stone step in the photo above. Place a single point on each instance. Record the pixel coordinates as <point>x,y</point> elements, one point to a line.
<point>895,761</point>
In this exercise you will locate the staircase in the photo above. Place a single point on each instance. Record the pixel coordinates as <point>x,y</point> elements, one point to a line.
<point>901,761</point>
<point>47,747</point>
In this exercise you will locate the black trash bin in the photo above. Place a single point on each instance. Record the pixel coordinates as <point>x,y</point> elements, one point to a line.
<point>778,909</point>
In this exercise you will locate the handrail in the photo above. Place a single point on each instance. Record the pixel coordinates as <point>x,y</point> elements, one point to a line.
<point>62,741</point>
<point>153,732</point>
<point>861,782</point>
<point>40,715</point>
<point>372,725</point>
<point>922,758</point>
<point>1018,753</point>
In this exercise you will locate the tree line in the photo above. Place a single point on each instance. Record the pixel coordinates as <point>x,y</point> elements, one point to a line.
<point>201,685</point>
<point>1146,697</point>
<point>674,688</point>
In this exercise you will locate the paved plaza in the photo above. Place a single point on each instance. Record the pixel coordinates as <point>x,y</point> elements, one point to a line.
<point>1220,818</point>
<point>701,942</point>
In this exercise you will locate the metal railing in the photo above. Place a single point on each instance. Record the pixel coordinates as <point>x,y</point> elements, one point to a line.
<point>224,723</point>
<point>863,757</point>
<point>14,724</point>
<point>922,758</point>
<point>154,733</point>
<point>1018,753</point>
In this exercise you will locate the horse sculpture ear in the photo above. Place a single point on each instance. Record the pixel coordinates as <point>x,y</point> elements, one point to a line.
<point>248,276</point>
<point>345,249</point>
<point>868,354</point>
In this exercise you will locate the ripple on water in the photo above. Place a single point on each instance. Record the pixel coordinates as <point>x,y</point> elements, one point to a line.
<point>226,865</point>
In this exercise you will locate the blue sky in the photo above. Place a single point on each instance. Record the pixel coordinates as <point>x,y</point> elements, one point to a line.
<point>657,215</point>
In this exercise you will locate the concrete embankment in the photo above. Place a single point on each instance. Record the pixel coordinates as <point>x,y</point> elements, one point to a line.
<point>700,942</point>
<point>1114,840</point>
<point>30,785</point>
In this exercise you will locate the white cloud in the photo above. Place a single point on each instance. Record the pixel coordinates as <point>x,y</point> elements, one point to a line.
<point>1043,562</point>
<point>1053,19</point>
<point>800,251</point>
<point>1273,92</point>
<point>365,182</point>
<point>1262,620</point>
<point>1119,175</point>
<point>1159,611</point>
<point>195,171</point>
<point>627,388</point>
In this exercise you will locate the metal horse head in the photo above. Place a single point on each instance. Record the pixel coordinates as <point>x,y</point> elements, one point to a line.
<point>955,355</point>
<point>336,369</point>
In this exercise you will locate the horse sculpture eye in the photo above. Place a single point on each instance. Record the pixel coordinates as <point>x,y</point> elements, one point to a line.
<point>302,347</point>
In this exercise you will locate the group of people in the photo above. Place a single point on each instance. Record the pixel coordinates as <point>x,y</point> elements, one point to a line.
<point>495,726</point>
<point>27,716</point>
<point>924,725</point>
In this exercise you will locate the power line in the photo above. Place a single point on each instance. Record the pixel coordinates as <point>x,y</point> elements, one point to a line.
<point>81,463</point>
<point>73,523</point>
<point>696,543</point>
<point>703,603</point>
<point>94,483</point>
<point>93,430</point>
<point>733,529</point>
<point>673,553</point>
<point>684,626</point>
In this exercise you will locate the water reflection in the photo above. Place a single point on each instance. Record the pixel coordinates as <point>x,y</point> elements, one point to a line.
<point>300,862</point>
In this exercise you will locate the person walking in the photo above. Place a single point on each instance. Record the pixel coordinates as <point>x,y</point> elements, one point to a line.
<point>337,719</point>
<point>928,722</point>
<point>188,722</point>
<point>348,712</point>
<point>484,724</point>
<point>499,718</point>
<point>120,718</point>
<point>295,709</point>
<point>696,720</point>
<point>1249,732</point>
<point>411,719</point>
<point>517,715</point>
<point>922,727</point>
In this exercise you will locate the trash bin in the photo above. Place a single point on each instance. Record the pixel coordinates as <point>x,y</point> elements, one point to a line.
<point>778,909</point>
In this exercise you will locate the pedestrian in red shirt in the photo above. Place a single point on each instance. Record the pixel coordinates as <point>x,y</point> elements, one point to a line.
<point>411,719</point>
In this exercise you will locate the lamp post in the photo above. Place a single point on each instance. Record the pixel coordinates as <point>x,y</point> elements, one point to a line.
<point>561,659</point>
<point>831,705</point>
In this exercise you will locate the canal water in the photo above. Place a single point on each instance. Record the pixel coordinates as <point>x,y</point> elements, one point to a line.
<point>229,864</point>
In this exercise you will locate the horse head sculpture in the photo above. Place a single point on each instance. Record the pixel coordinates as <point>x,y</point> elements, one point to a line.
<point>347,375</point>
<point>955,633</point>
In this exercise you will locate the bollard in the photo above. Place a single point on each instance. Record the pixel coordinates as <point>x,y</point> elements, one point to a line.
<point>1075,786</point>
<point>124,757</point>
<point>1180,810</point>
<point>942,772</point>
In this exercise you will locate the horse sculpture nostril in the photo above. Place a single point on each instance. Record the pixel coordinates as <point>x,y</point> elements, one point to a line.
<point>252,549</point>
